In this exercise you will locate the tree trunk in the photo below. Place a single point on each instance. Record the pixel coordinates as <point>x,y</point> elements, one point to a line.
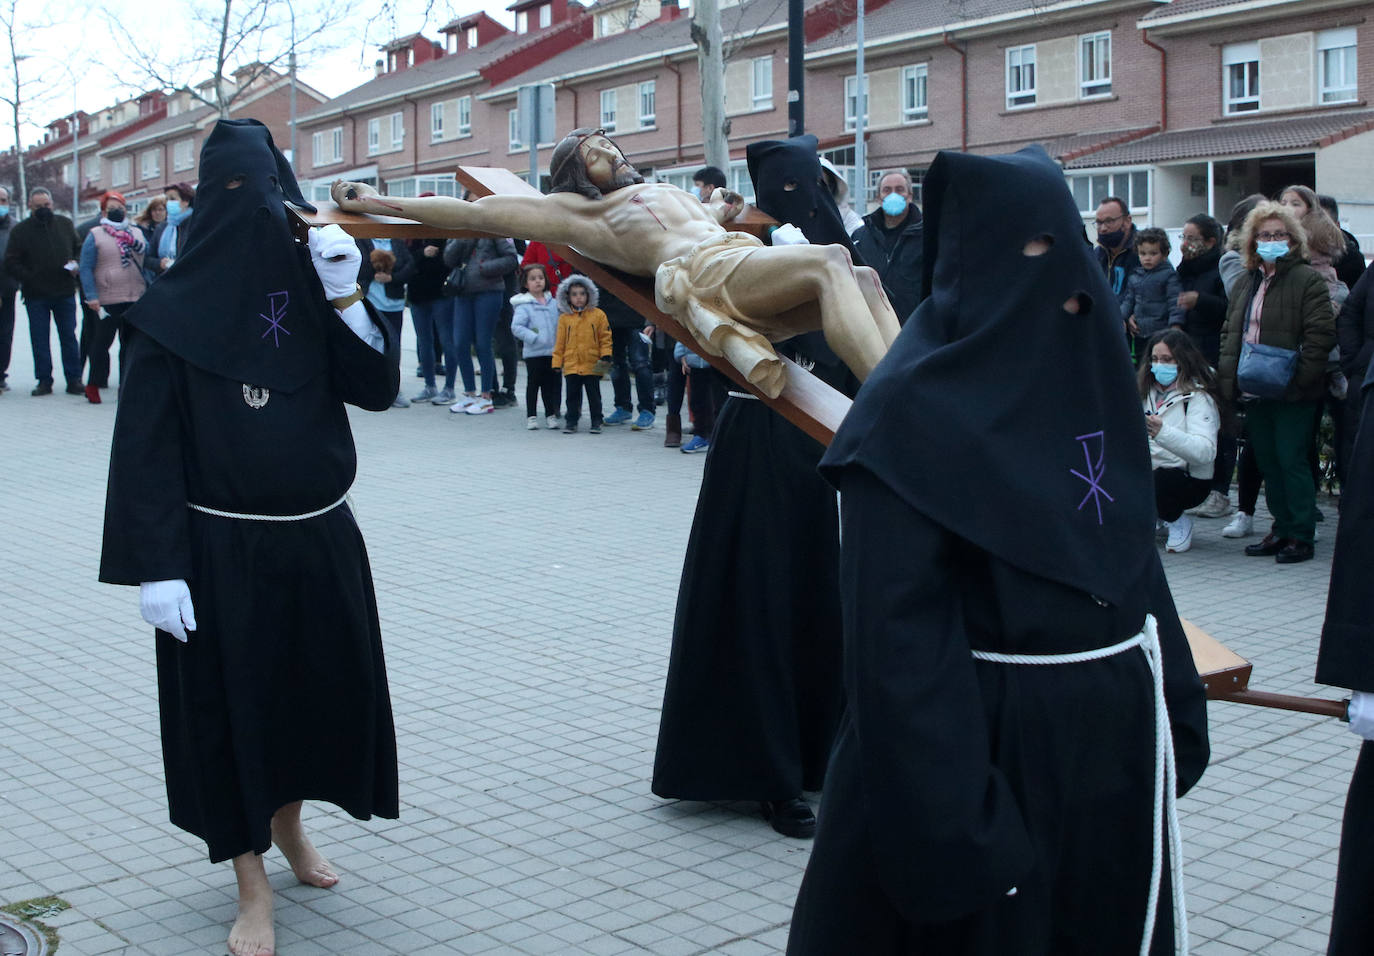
<point>711,68</point>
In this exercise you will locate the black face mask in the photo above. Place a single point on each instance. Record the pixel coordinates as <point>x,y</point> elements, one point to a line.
<point>115,215</point>
<point>43,214</point>
<point>1111,240</point>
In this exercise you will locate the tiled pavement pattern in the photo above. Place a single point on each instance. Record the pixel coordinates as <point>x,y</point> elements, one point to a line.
<point>526,582</point>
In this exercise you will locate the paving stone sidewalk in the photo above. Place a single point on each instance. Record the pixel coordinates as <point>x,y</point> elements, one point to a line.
<point>526,582</point>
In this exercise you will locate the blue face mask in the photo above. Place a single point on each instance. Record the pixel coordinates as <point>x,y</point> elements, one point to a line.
<point>1164,374</point>
<point>4,211</point>
<point>894,204</point>
<point>1269,251</point>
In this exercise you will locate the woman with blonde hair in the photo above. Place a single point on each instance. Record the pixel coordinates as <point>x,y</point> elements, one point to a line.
<point>1325,243</point>
<point>1279,331</point>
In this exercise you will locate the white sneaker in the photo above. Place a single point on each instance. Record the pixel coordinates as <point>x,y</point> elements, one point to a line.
<point>1217,505</point>
<point>532,423</point>
<point>552,423</point>
<point>480,407</point>
<point>1180,535</point>
<point>463,403</point>
<point>1241,526</point>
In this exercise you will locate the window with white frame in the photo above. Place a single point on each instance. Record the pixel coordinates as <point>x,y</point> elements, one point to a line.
<point>647,105</point>
<point>451,43</point>
<point>436,121</point>
<point>1095,64</point>
<point>182,157</point>
<point>608,110</point>
<point>92,167</point>
<point>1021,76</point>
<point>150,163</point>
<point>472,37</point>
<point>1089,189</point>
<point>1337,82</point>
<point>398,130</point>
<point>761,82</point>
<point>513,123</point>
<point>851,102</point>
<point>914,93</point>
<point>119,171</point>
<point>327,146</point>
<point>545,15</point>
<point>374,135</point>
<point>409,186</point>
<point>522,22</point>
<point>67,174</point>
<point>1240,78</point>
<point>465,116</point>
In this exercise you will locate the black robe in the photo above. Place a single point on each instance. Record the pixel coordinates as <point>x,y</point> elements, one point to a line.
<point>280,694</point>
<point>1346,659</point>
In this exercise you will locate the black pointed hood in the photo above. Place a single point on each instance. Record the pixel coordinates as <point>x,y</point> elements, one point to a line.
<point>998,413</point>
<point>242,299</point>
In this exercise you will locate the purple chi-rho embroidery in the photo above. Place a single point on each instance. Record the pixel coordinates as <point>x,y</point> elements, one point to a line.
<point>1096,469</point>
<point>276,305</point>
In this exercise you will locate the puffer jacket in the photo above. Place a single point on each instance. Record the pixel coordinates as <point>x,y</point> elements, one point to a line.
<point>535,323</point>
<point>899,260</point>
<point>489,261</point>
<point>1151,298</point>
<point>1188,437</point>
<point>1296,315</point>
<point>583,337</point>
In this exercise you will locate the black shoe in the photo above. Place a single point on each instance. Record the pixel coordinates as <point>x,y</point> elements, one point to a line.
<point>595,429</point>
<point>501,400</point>
<point>76,388</point>
<point>41,389</point>
<point>1294,551</point>
<point>1267,548</point>
<point>791,818</point>
<point>570,428</point>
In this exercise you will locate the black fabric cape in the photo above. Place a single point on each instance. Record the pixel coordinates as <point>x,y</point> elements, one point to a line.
<point>1346,659</point>
<point>954,780</point>
<point>753,694</point>
<point>285,611</point>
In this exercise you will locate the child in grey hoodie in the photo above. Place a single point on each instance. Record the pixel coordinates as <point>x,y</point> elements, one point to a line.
<point>536,324</point>
<point>1149,302</point>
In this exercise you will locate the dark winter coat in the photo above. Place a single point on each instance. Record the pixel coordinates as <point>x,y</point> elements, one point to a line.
<point>36,253</point>
<point>1151,298</point>
<point>1296,315</point>
<point>427,283</point>
<point>898,260</point>
<point>401,272</point>
<point>8,284</point>
<point>1355,329</point>
<point>1351,265</point>
<point>489,261</point>
<point>1117,265</point>
<point>1204,320</point>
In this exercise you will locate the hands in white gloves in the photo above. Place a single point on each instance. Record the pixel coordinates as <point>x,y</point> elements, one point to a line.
<point>1362,714</point>
<point>336,259</point>
<point>789,235</point>
<point>167,606</point>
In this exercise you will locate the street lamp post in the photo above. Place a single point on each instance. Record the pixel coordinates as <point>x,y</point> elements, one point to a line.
<point>291,71</point>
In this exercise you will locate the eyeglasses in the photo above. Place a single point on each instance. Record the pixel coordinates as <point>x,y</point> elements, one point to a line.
<point>1271,236</point>
<point>1107,223</point>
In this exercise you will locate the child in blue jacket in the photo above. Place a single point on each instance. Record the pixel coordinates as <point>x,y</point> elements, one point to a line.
<point>1149,302</point>
<point>536,324</point>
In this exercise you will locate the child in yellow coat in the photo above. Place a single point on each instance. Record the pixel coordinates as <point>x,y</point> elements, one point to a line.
<point>582,348</point>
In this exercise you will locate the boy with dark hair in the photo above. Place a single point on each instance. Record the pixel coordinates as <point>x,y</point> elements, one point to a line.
<point>707,180</point>
<point>1149,302</point>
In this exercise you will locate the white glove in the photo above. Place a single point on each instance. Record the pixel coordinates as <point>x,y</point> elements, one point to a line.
<point>336,259</point>
<point>167,606</point>
<point>789,235</point>
<point>1362,714</point>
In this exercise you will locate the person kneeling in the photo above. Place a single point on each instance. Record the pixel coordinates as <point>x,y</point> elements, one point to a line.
<point>1179,393</point>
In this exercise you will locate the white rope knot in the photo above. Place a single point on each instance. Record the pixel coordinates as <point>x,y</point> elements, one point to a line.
<point>1166,772</point>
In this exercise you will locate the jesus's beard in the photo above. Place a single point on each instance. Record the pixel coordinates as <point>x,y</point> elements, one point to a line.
<point>624,175</point>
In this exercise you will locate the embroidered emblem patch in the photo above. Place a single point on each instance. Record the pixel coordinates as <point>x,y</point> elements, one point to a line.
<point>276,307</point>
<point>1096,469</point>
<point>255,396</point>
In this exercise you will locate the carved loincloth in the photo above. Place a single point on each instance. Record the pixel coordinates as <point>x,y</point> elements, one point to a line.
<point>693,288</point>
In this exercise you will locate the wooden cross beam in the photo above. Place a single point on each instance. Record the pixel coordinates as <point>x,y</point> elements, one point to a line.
<point>805,401</point>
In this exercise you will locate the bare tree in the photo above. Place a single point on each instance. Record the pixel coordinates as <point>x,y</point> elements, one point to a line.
<point>236,42</point>
<point>23,97</point>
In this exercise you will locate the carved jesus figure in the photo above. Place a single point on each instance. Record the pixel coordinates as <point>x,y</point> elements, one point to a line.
<point>731,291</point>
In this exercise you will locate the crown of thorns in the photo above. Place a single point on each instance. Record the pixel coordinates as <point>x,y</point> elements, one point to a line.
<point>577,147</point>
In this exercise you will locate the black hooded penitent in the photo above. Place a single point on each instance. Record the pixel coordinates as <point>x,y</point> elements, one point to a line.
<point>242,300</point>
<point>997,413</point>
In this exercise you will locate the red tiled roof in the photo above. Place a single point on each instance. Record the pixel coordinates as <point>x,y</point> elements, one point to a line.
<point>1232,139</point>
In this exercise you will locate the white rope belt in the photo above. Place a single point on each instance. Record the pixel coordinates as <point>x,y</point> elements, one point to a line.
<point>734,394</point>
<point>1166,773</point>
<point>247,517</point>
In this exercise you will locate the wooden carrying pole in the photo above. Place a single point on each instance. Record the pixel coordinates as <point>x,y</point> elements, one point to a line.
<point>805,401</point>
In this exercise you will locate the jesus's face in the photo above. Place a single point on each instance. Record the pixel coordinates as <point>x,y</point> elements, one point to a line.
<point>606,165</point>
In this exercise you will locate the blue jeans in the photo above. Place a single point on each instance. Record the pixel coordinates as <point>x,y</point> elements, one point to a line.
<point>630,354</point>
<point>474,318</point>
<point>62,312</point>
<point>427,316</point>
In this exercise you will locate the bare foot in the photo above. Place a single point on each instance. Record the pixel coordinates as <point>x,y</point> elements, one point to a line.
<point>289,836</point>
<point>252,933</point>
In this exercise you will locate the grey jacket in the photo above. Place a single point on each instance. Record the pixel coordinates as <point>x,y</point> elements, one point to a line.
<point>1151,296</point>
<point>489,261</point>
<point>535,324</point>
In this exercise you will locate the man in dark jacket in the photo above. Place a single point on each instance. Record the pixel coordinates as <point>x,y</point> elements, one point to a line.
<point>8,288</point>
<point>1116,243</point>
<point>890,242</point>
<point>629,357</point>
<point>42,254</point>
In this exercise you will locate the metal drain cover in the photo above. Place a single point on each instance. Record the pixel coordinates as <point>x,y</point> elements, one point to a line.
<point>17,939</point>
